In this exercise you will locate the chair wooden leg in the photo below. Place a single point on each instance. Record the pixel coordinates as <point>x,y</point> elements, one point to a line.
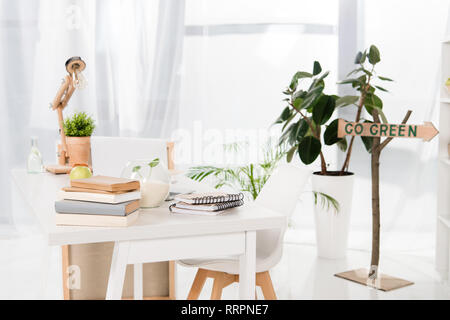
<point>265,282</point>
<point>219,281</point>
<point>198,284</point>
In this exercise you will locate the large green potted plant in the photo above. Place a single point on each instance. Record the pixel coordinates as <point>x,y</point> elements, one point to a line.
<point>78,130</point>
<point>308,127</point>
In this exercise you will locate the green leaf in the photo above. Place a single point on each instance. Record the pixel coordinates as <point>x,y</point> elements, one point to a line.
<point>351,80</point>
<point>309,149</point>
<point>362,79</point>
<point>293,133</point>
<point>323,110</point>
<point>384,78</point>
<point>354,71</point>
<point>381,88</point>
<point>288,121</point>
<point>154,163</point>
<point>297,103</point>
<point>358,57</point>
<point>330,135</point>
<point>312,97</point>
<point>299,94</point>
<point>367,72</point>
<point>346,100</point>
<point>136,168</point>
<point>319,80</point>
<point>374,55</point>
<point>317,68</point>
<point>302,129</point>
<point>290,134</point>
<point>297,76</point>
<point>363,58</point>
<point>290,153</point>
<point>372,101</point>
<point>284,115</point>
<point>367,141</point>
<point>381,114</point>
<point>342,144</point>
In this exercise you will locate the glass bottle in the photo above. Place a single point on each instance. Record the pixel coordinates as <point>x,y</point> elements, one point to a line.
<point>34,164</point>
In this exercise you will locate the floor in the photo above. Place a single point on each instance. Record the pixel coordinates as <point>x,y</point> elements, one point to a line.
<point>25,274</point>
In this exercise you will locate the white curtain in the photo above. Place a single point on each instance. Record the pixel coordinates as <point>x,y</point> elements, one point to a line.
<point>132,51</point>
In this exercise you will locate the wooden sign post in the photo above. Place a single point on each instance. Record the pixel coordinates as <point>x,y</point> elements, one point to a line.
<point>377,130</point>
<point>427,131</point>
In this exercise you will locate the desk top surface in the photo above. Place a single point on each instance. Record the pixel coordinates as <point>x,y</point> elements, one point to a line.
<point>39,192</point>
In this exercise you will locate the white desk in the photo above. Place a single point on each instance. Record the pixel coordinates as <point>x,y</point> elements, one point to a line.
<point>157,235</point>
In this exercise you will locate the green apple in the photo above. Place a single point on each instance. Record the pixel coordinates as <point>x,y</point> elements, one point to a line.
<point>447,83</point>
<point>80,172</point>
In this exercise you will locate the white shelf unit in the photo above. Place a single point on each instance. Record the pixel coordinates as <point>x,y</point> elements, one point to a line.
<point>443,205</point>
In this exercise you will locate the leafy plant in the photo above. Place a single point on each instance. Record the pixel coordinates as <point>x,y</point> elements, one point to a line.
<point>374,106</point>
<point>79,125</point>
<point>151,164</point>
<point>248,178</point>
<point>361,79</point>
<point>305,116</point>
<point>305,134</point>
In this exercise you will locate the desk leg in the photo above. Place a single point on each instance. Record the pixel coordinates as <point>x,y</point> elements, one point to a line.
<point>138,281</point>
<point>247,268</point>
<point>118,269</point>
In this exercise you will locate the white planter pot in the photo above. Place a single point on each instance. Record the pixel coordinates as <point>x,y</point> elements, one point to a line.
<point>332,227</point>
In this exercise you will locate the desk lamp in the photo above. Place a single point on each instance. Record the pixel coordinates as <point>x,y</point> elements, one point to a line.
<point>74,80</point>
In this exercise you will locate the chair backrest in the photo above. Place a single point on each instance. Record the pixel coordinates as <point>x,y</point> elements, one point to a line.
<point>111,154</point>
<point>281,194</point>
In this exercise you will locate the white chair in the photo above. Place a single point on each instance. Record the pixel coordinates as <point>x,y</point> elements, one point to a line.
<point>280,193</point>
<point>111,154</point>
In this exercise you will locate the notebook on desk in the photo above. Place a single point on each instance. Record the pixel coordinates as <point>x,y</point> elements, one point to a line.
<point>204,209</point>
<point>209,197</point>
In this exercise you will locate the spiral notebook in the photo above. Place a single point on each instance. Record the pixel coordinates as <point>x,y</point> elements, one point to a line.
<point>204,209</point>
<point>209,197</point>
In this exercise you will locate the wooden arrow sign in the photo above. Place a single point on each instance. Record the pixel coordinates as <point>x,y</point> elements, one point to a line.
<point>427,131</point>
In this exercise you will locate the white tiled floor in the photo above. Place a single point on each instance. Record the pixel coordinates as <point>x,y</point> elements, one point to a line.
<point>24,273</point>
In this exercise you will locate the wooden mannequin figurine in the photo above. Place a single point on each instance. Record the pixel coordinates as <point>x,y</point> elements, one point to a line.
<point>74,79</point>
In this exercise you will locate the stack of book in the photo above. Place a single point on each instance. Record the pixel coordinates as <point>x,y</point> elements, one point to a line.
<point>212,203</point>
<point>98,201</point>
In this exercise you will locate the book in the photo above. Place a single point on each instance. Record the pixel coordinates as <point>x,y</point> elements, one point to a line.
<point>100,197</point>
<point>209,197</point>
<point>76,189</point>
<point>106,183</point>
<point>96,208</point>
<point>208,209</point>
<point>68,219</point>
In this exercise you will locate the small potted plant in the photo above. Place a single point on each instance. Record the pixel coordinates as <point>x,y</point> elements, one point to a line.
<point>78,130</point>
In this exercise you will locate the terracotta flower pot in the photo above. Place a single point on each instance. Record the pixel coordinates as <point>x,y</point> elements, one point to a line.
<point>79,150</point>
